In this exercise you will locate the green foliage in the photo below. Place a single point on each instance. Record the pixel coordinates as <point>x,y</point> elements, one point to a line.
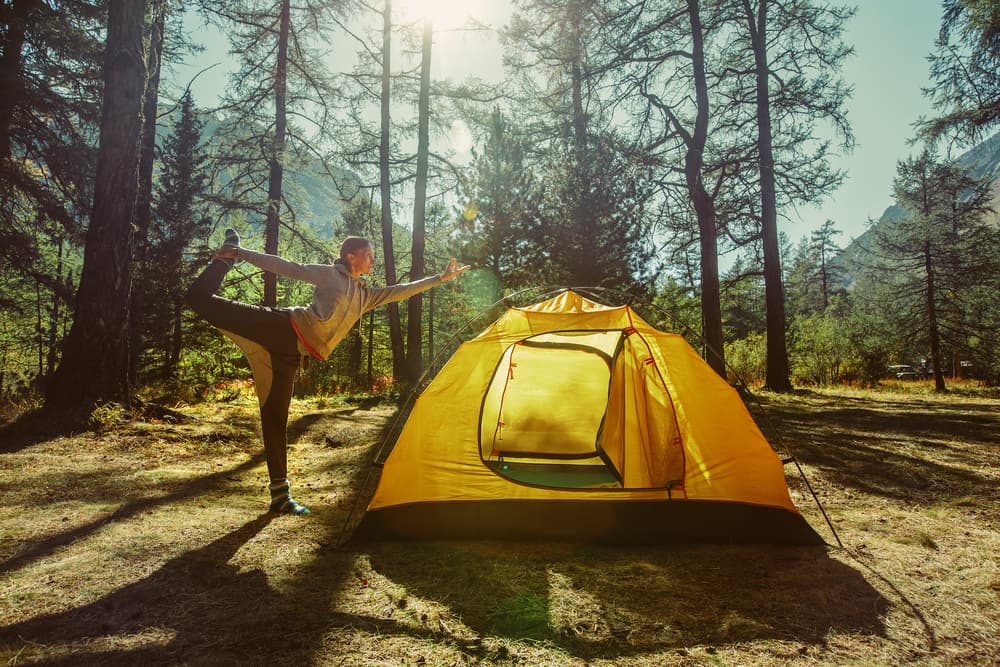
<point>107,416</point>
<point>677,308</point>
<point>872,332</point>
<point>746,359</point>
<point>931,265</point>
<point>965,70</point>
<point>179,223</point>
<point>743,310</point>
<point>591,227</point>
<point>815,277</point>
<point>819,350</point>
<point>501,203</point>
<point>49,110</point>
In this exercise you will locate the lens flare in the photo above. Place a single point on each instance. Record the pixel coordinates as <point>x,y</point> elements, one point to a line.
<point>481,288</point>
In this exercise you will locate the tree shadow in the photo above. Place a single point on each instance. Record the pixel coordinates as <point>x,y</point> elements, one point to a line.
<point>906,451</point>
<point>37,426</point>
<point>201,608</point>
<point>49,545</point>
<point>300,425</point>
<point>187,598</point>
<point>602,602</point>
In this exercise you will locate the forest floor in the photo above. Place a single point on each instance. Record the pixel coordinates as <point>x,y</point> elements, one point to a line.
<point>145,542</point>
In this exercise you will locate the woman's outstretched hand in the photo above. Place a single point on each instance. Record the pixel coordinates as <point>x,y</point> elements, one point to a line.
<point>453,270</point>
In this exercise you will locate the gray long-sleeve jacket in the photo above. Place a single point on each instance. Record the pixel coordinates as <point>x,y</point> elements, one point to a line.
<point>338,299</point>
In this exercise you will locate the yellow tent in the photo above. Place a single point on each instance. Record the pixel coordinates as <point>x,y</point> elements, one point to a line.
<point>569,419</point>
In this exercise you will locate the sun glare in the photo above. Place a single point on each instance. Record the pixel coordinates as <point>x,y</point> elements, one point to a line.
<point>444,14</point>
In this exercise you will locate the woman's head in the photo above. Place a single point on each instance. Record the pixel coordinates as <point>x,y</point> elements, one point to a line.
<point>357,253</point>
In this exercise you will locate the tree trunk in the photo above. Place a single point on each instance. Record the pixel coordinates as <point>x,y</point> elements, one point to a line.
<point>932,321</point>
<point>95,361</point>
<point>39,330</point>
<point>774,297</point>
<point>371,350</point>
<point>173,357</point>
<point>355,346</point>
<point>13,17</point>
<point>414,319</point>
<point>385,189</point>
<point>824,276</point>
<point>275,163</point>
<point>144,200</point>
<point>582,260</point>
<point>430,326</point>
<point>711,301</point>
<point>50,364</point>
<point>711,307</point>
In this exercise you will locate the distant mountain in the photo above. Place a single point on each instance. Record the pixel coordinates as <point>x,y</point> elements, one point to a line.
<point>982,160</point>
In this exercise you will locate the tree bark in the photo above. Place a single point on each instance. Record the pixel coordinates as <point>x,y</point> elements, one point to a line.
<point>369,372</point>
<point>144,200</point>
<point>583,260</point>
<point>774,297</point>
<point>13,17</point>
<point>50,364</point>
<point>932,320</point>
<point>414,319</point>
<point>711,306</point>
<point>276,160</point>
<point>430,326</point>
<point>173,356</point>
<point>95,361</point>
<point>385,189</point>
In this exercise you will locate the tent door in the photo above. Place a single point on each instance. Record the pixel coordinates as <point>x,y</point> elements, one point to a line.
<point>544,412</point>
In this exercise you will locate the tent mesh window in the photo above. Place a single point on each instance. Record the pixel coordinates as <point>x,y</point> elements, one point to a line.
<point>554,414</point>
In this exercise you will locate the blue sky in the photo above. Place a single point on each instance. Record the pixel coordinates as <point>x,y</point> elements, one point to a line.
<point>891,39</point>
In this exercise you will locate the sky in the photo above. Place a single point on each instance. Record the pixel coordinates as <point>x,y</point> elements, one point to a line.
<point>891,38</point>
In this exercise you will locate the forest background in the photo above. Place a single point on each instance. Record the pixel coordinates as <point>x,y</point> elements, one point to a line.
<point>648,149</point>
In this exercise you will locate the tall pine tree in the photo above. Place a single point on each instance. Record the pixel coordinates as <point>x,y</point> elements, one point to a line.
<point>95,360</point>
<point>179,220</point>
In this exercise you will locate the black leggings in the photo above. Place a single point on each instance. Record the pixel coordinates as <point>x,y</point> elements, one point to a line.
<point>270,343</point>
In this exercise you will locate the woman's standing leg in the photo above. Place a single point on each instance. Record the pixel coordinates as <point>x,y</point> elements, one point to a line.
<point>274,428</point>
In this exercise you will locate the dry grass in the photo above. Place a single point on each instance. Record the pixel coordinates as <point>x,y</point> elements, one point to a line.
<point>145,543</point>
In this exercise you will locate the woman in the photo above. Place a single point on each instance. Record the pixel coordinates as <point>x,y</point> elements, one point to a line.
<point>275,339</point>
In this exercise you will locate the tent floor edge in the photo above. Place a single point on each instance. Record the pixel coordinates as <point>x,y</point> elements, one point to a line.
<point>591,521</point>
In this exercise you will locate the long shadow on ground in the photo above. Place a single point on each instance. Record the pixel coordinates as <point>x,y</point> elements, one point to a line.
<point>905,450</point>
<point>591,601</point>
<point>611,602</point>
<point>49,545</point>
<point>209,611</point>
<point>189,597</point>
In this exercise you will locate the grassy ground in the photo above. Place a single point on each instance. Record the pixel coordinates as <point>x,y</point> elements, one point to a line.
<point>144,542</point>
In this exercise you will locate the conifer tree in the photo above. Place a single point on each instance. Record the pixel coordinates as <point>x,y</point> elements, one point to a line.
<point>276,108</point>
<point>593,230</point>
<point>965,70</point>
<point>179,220</point>
<point>827,273</point>
<point>793,53</point>
<point>664,54</point>
<point>414,305</point>
<point>95,359</point>
<point>498,224</point>
<point>934,257</point>
<point>50,60</point>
